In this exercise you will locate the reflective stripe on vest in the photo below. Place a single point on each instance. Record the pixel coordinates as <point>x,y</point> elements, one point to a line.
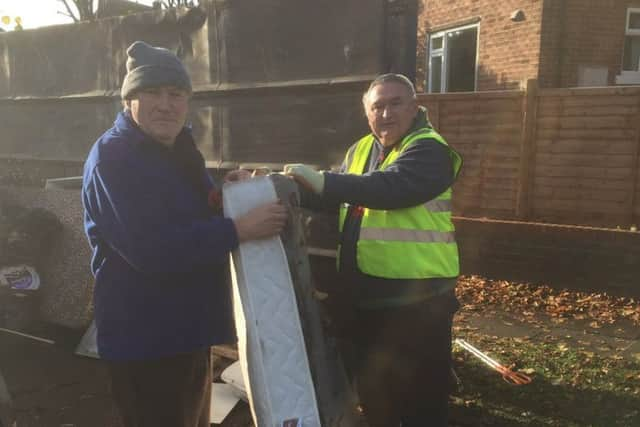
<point>438,205</point>
<point>411,243</point>
<point>402,235</point>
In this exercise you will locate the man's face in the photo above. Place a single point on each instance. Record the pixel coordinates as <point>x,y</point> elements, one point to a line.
<point>161,112</point>
<point>390,111</point>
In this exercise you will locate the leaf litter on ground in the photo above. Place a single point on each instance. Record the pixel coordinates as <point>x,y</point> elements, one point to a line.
<point>578,380</point>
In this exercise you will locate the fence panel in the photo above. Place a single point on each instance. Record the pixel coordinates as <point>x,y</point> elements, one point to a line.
<point>569,156</point>
<point>586,160</point>
<point>486,128</point>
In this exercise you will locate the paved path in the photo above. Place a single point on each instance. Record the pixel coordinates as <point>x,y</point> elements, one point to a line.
<point>621,338</point>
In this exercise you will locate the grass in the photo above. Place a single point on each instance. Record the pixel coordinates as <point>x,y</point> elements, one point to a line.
<point>576,381</point>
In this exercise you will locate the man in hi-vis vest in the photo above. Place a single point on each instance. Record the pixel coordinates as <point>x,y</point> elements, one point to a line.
<point>397,258</point>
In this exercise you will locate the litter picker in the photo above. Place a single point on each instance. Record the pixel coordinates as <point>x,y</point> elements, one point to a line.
<point>513,378</point>
<point>33,337</point>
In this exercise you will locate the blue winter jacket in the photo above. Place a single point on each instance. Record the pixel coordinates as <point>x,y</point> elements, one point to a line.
<point>160,254</point>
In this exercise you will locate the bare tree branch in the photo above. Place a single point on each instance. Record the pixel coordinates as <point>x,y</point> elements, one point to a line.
<point>84,8</point>
<point>65,14</point>
<point>69,11</point>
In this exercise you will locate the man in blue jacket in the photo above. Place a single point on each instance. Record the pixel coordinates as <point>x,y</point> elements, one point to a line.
<point>397,258</point>
<point>160,249</point>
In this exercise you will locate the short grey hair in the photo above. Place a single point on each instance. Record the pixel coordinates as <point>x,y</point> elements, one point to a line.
<point>390,77</point>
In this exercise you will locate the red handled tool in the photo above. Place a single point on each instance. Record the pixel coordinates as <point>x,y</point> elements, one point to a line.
<point>513,378</point>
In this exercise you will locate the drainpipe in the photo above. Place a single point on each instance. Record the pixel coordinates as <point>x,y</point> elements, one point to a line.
<point>562,48</point>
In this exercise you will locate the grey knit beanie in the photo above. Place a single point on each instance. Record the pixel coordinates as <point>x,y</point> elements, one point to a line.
<point>149,66</point>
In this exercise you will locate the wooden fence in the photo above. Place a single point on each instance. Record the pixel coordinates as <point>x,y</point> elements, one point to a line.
<point>568,156</point>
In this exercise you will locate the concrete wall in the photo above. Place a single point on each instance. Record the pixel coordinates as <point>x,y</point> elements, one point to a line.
<point>67,284</point>
<point>275,81</point>
<point>89,57</point>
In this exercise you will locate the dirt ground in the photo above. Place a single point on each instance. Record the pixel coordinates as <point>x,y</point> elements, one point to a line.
<point>52,387</point>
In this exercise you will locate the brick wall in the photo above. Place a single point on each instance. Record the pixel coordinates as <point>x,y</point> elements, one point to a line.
<point>584,258</point>
<point>508,51</point>
<point>583,33</point>
<point>581,258</point>
<point>552,47</point>
<point>556,41</point>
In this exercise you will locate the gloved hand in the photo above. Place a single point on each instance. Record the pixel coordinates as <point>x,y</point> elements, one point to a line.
<point>307,176</point>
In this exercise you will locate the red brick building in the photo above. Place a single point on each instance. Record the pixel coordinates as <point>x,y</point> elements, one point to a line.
<point>466,45</point>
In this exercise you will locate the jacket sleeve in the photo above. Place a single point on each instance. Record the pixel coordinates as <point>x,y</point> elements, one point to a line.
<point>133,221</point>
<point>421,173</point>
<point>310,200</point>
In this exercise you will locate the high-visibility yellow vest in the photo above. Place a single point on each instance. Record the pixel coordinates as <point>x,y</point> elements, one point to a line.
<point>410,243</point>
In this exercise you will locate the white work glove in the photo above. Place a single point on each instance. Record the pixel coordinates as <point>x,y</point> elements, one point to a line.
<point>307,176</point>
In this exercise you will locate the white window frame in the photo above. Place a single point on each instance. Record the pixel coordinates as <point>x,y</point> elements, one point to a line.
<point>629,77</point>
<point>442,52</point>
<point>628,31</point>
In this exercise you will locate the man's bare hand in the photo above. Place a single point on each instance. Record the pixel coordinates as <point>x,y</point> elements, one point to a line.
<point>237,175</point>
<point>261,171</point>
<point>259,223</point>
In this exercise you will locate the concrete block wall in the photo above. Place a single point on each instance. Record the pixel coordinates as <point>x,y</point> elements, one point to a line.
<point>253,67</point>
<point>88,58</point>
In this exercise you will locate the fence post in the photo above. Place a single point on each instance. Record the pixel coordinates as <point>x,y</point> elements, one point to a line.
<point>635,177</point>
<point>434,114</point>
<point>527,150</point>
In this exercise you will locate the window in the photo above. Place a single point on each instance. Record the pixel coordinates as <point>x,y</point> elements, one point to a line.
<point>631,57</point>
<point>452,60</point>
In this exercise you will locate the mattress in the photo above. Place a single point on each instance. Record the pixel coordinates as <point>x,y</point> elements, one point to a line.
<point>271,342</point>
<point>88,345</point>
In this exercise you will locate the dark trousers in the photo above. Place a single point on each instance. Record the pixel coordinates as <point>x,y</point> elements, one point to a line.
<point>168,392</point>
<point>402,362</point>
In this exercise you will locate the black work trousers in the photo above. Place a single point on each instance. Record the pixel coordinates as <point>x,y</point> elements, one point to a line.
<point>168,392</point>
<point>401,360</point>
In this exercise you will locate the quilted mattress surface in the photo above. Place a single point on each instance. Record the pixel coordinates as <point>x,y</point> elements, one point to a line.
<point>270,338</point>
